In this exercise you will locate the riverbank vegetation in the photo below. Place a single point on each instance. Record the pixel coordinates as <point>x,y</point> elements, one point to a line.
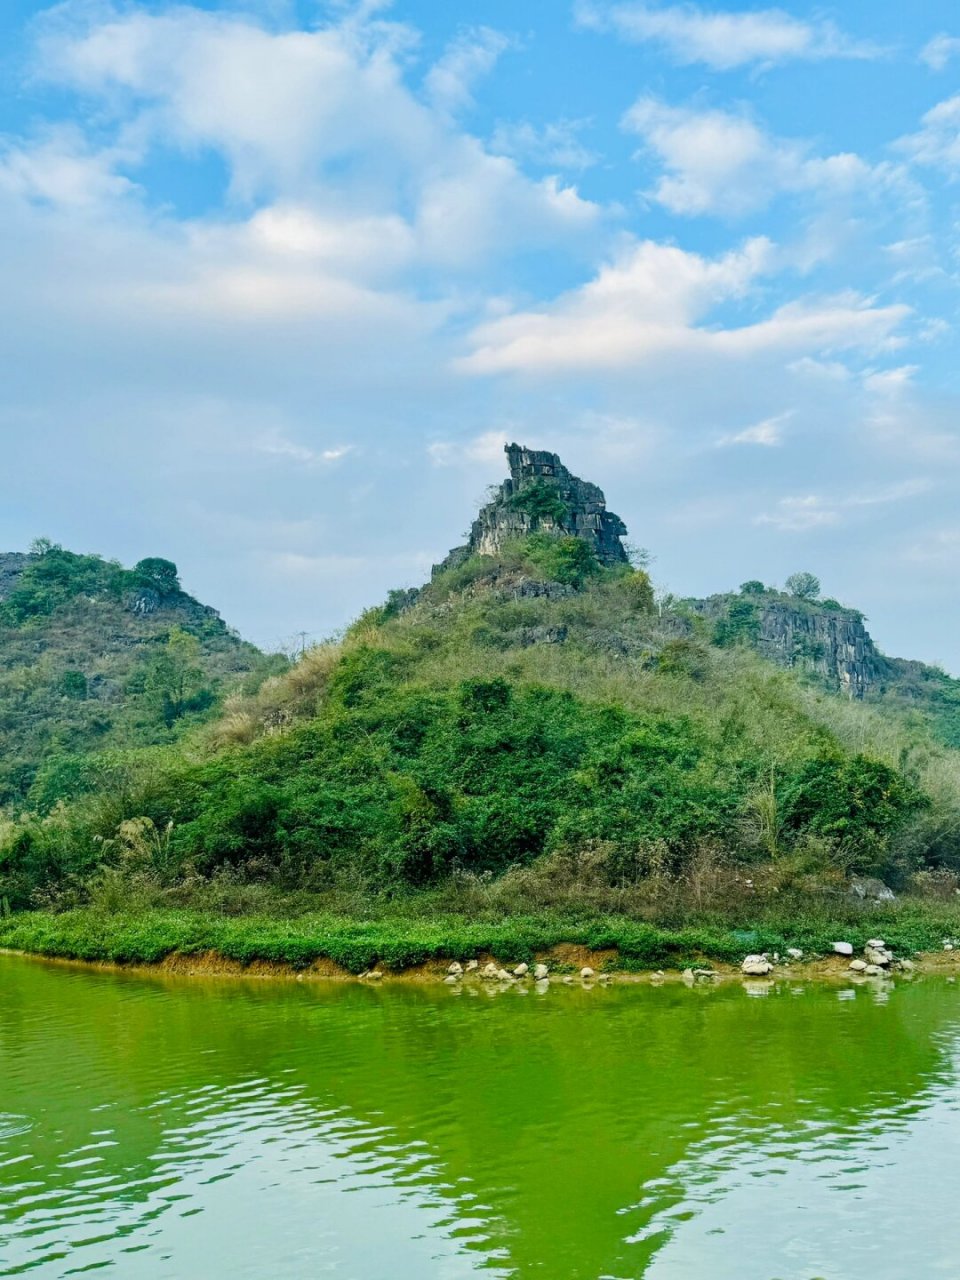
<point>510,744</point>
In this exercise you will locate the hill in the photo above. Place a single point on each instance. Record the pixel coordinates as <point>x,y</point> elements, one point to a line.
<point>531,722</point>
<point>96,657</point>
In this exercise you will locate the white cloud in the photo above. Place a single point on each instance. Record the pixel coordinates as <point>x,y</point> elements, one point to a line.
<point>277,445</point>
<point>61,168</point>
<point>767,433</point>
<point>332,123</point>
<point>812,511</point>
<point>472,55</point>
<point>722,40</point>
<point>556,144</point>
<point>718,162</point>
<point>654,301</point>
<point>936,53</point>
<point>937,143</point>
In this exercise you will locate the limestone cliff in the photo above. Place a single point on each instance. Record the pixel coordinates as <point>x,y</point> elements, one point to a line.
<point>827,640</point>
<point>541,495</point>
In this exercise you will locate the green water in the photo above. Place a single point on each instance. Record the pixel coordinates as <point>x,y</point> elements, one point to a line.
<point>154,1128</point>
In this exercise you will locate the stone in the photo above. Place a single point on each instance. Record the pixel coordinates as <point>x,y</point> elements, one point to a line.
<point>948,946</point>
<point>489,971</point>
<point>832,643</point>
<point>858,966</point>
<point>455,969</point>
<point>472,966</point>
<point>541,495</point>
<point>688,977</point>
<point>586,973</point>
<point>876,955</point>
<point>756,966</point>
<point>794,953</point>
<point>521,971</point>
<point>374,973</point>
<point>878,943</point>
<point>907,966</point>
<point>843,948</point>
<point>504,976</point>
<point>541,972</point>
<point>869,889</point>
<point>872,970</point>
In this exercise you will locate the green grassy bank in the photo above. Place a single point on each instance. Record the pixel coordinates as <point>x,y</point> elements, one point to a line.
<point>399,943</point>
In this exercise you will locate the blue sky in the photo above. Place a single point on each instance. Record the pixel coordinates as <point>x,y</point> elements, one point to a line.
<point>281,277</point>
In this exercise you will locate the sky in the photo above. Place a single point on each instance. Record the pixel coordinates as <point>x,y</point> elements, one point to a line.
<point>280,278</point>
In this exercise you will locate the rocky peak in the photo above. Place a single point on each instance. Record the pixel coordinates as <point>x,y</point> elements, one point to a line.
<point>541,495</point>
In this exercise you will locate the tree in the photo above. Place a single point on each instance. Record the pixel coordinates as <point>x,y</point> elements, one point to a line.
<point>159,574</point>
<point>753,588</point>
<point>806,586</point>
<point>175,677</point>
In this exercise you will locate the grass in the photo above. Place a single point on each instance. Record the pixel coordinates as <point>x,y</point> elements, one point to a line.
<point>398,942</point>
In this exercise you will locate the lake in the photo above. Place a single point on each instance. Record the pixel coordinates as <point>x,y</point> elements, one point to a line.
<point>207,1129</point>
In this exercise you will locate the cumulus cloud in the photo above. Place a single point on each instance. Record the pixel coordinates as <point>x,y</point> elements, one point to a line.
<point>653,302</point>
<point>722,40</point>
<point>719,162</point>
<point>323,117</point>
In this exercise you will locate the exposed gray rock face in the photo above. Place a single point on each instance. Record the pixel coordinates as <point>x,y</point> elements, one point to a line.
<point>832,643</point>
<point>541,494</point>
<point>835,645</point>
<point>12,564</point>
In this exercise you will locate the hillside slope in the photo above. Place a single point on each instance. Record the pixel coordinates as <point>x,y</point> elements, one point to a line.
<point>530,711</point>
<point>94,656</point>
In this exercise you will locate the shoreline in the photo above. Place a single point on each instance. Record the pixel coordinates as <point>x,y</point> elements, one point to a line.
<point>564,970</point>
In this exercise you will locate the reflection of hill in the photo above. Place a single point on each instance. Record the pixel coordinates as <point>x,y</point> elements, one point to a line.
<point>539,1122</point>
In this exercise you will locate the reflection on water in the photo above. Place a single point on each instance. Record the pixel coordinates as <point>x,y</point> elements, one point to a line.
<point>155,1129</point>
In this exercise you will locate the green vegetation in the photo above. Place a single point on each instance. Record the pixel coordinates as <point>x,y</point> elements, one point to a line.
<point>528,744</point>
<point>95,657</point>
<point>401,942</point>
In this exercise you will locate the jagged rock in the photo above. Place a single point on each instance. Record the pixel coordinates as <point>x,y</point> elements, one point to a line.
<point>455,969</point>
<point>858,966</point>
<point>472,966</point>
<point>489,971</point>
<point>794,953</point>
<point>873,971</point>
<point>542,495</point>
<point>869,889</point>
<point>504,976</point>
<point>843,948</point>
<point>877,955</point>
<point>521,971</point>
<point>541,972</point>
<point>756,966</point>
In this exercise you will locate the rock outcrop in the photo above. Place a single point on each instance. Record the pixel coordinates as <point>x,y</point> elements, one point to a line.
<point>541,495</point>
<point>828,641</point>
<point>12,565</point>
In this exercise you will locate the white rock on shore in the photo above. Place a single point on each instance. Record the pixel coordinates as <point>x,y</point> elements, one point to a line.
<point>541,973</point>
<point>843,948</point>
<point>757,966</point>
<point>521,971</point>
<point>586,973</point>
<point>858,966</point>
